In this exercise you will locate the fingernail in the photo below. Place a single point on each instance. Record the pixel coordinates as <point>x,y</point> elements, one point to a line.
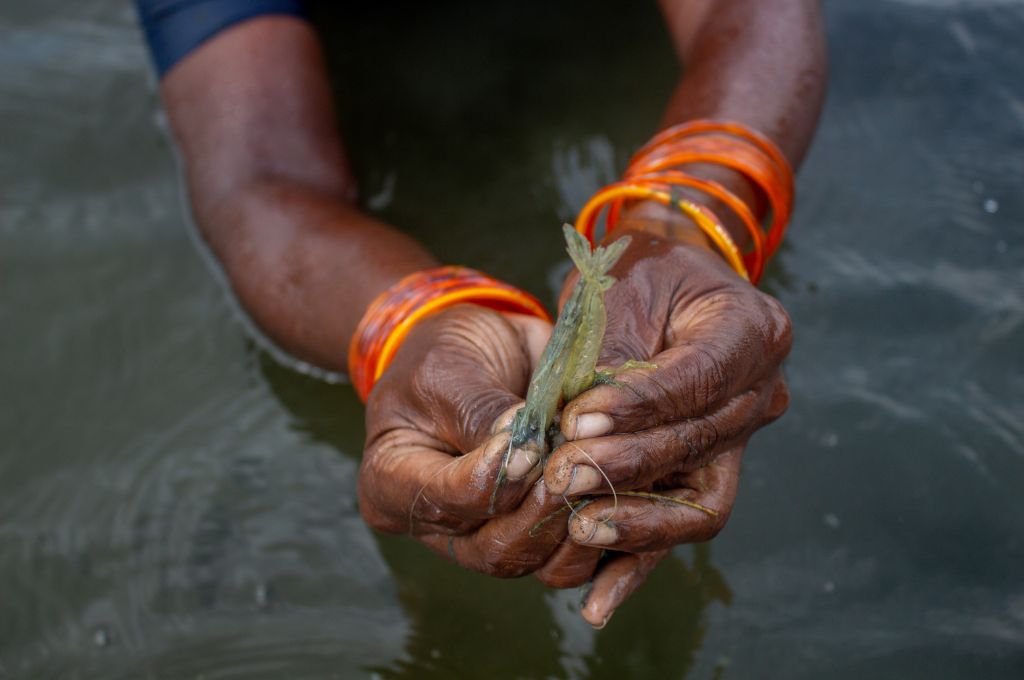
<point>596,533</point>
<point>584,479</point>
<point>520,463</point>
<point>603,623</point>
<point>592,425</point>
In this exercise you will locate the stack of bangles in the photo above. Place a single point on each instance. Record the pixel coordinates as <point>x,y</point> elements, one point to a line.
<point>652,174</point>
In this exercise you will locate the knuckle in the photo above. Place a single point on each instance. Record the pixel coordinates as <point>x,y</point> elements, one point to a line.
<point>684,450</point>
<point>711,528</point>
<point>696,439</point>
<point>780,335</point>
<point>465,507</point>
<point>647,529</point>
<point>378,520</point>
<point>495,561</point>
<point>632,401</point>
<point>659,395</point>
<point>663,453</point>
<point>710,383</point>
<point>779,401</point>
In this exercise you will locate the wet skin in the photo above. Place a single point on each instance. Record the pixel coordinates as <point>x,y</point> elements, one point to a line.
<point>717,343</point>
<point>273,196</point>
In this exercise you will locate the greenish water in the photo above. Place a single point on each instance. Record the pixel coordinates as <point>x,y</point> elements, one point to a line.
<point>174,503</point>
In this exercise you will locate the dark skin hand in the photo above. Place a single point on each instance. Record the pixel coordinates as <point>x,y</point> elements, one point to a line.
<point>273,197</point>
<point>438,434</point>
<point>680,429</point>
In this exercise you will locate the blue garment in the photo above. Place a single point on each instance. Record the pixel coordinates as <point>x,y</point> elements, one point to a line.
<point>176,27</point>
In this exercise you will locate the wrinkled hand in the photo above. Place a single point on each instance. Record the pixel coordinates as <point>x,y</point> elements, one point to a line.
<point>437,433</point>
<point>678,429</point>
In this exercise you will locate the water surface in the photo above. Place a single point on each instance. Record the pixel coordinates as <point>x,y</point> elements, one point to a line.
<point>174,503</point>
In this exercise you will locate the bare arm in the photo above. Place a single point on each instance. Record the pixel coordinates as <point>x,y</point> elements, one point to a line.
<point>758,62</point>
<point>271,191</point>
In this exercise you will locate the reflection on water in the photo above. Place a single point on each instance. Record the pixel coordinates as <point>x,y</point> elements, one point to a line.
<point>521,629</point>
<point>176,504</point>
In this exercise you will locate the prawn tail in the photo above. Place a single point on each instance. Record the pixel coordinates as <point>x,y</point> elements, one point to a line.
<point>593,264</point>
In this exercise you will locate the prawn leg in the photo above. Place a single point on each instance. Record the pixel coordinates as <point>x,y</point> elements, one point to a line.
<point>607,376</point>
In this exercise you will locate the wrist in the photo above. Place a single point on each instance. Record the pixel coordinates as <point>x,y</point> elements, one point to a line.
<point>395,312</point>
<point>664,222</point>
<point>674,165</point>
<point>670,222</point>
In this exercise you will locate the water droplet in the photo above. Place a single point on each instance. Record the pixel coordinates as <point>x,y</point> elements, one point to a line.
<point>830,520</point>
<point>1001,246</point>
<point>435,653</point>
<point>830,439</point>
<point>100,637</point>
<point>829,587</point>
<point>991,206</point>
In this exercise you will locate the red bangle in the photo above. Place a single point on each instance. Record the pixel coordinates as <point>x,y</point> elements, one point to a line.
<point>391,316</point>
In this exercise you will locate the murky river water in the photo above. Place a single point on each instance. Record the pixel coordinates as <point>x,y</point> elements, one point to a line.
<point>174,503</point>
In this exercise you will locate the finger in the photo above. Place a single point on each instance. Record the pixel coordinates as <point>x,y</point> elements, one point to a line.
<point>709,362</point>
<point>616,581</point>
<point>405,485</point>
<point>633,461</point>
<point>643,524</point>
<point>778,403</point>
<point>570,566</point>
<point>511,545</point>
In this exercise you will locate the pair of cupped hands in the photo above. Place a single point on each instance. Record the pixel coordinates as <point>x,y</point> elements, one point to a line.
<point>438,428</point>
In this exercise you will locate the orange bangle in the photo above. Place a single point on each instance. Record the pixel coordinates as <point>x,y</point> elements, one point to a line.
<point>706,220</point>
<point>724,143</point>
<point>732,153</point>
<point>754,260</point>
<point>393,314</point>
<point>776,168</point>
<point>702,125</point>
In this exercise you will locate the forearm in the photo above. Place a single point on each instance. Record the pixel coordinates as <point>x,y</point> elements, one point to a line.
<point>758,62</point>
<point>305,265</point>
<point>271,192</point>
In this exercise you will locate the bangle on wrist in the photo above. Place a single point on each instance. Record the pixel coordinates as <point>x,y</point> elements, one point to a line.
<point>393,314</point>
<point>655,168</point>
<point>702,216</point>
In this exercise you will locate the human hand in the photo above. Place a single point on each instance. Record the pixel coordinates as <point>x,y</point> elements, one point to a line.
<point>437,433</point>
<point>678,429</point>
